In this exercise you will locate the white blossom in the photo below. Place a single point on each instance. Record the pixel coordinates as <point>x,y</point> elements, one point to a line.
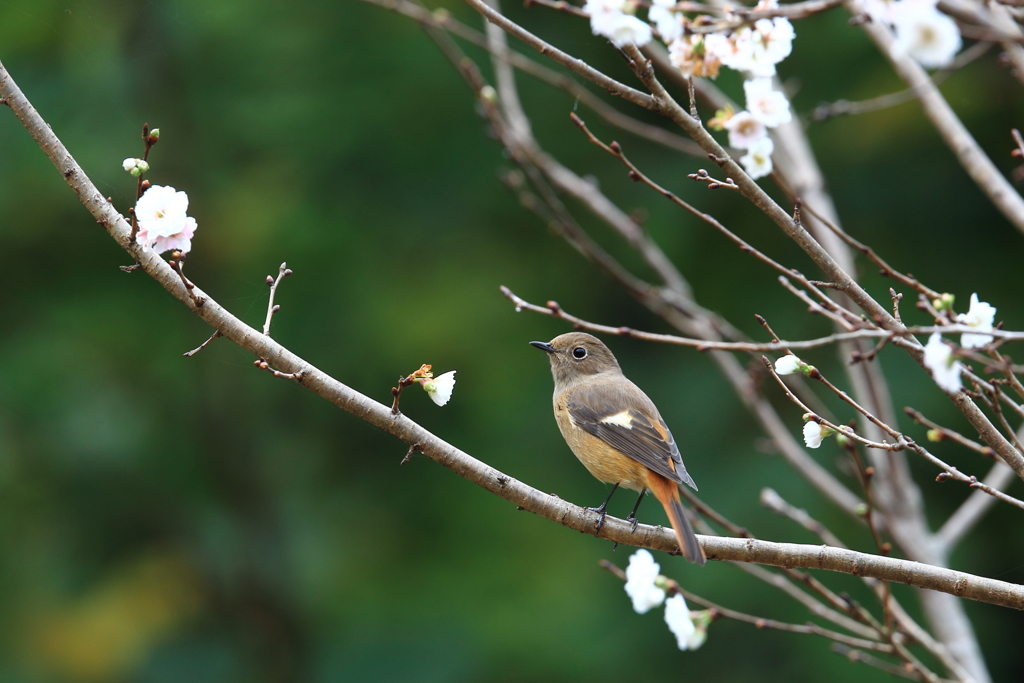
<point>677,616</point>
<point>733,51</point>
<point>667,22</point>
<point>757,49</point>
<point>813,433</point>
<point>787,365</point>
<point>980,316</point>
<point>163,221</point>
<point>693,56</point>
<point>938,358</point>
<point>640,576</point>
<point>744,130</point>
<point>768,106</point>
<point>924,33</point>
<point>608,19</point>
<point>440,388</point>
<point>758,159</point>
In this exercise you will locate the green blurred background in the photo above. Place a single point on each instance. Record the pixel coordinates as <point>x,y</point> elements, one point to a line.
<point>167,519</point>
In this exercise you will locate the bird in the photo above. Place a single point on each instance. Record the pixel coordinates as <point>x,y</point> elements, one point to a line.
<point>616,431</point>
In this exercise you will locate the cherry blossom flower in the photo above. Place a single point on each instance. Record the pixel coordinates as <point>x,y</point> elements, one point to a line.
<point>758,159</point>
<point>609,19</point>
<point>787,365</point>
<point>744,130</point>
<point>680,622</point>
<point>945,369</point>
<point>980,316</point>
<point>665,20</point>
<point>813,433</point>
<point>163,223</point>
<point>692,56</point>
<point>735,51</point>
<point>924,33</point>
<point>640,577</point>
<point>768,106</point>
<point>440,388</point>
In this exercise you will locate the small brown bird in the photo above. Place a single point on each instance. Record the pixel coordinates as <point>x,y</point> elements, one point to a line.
<point>616,431</point>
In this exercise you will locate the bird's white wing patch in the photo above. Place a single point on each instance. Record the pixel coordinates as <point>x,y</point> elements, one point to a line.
<point>621,419</point>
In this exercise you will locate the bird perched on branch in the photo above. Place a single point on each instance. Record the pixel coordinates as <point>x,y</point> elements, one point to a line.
<point>616,431</point>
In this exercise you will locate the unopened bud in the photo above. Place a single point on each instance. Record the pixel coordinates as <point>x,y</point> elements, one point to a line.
<point>934,435</point>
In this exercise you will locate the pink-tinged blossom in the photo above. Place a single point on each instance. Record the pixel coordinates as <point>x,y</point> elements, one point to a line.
<point>744,130</point>
<point>765,104</point>
<point>163,222</point>
<point>945,369</point>
<point>980,316</point>
<point>925,34</point>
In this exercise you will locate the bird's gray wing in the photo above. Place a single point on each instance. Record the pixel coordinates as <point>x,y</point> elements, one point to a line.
<point>632,426</point>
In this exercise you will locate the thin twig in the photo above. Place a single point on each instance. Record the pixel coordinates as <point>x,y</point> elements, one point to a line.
<point>946,433</point>
<point>282,272</point>
<point>178,264</point>
<point>845,107</point>
<point>189,354</point>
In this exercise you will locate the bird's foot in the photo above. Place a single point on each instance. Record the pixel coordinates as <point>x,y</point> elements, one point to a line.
<point>632,519</point>
<point>601,514</point>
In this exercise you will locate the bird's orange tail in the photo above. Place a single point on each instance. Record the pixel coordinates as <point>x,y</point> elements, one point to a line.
<point>667,492</point>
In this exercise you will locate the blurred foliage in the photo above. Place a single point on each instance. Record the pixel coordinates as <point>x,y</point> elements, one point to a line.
<point>166,518</point>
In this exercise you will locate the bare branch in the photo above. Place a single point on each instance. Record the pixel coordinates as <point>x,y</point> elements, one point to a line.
<point>282,272</point>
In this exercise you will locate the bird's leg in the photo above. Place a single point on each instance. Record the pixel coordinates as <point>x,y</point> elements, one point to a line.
<point>632,515</point>
<point>600,510</point>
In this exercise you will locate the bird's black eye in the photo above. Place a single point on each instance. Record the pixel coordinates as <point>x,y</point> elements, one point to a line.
<point>579,353</point>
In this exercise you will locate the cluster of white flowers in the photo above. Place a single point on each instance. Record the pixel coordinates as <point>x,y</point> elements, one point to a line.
<point>766,108</point>
<point>752,49</point>
<point>939,357</point>
<point>690,629</point>
<point>163,221</point>
<point>923,33</point>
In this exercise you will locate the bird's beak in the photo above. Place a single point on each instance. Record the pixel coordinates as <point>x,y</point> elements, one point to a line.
<point>543,346</point>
